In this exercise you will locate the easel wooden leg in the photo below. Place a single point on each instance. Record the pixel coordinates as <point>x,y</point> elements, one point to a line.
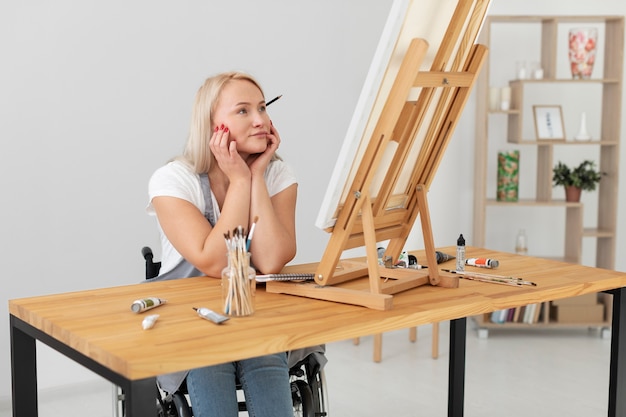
<point>369,236</point>
<point>435,342</point>
<point>378,347</point>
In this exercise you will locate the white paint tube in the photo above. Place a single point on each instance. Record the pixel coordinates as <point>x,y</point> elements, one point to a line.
<point>210,315</point>
<point>149,321</point>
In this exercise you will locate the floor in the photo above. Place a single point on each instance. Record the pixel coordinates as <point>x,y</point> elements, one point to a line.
<point>513,373</point>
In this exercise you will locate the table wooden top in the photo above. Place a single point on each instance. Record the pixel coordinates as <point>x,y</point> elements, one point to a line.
<point>99,323</point>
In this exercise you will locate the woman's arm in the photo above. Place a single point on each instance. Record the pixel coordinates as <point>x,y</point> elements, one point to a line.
<point>274,241</point>
<point>193,236</point>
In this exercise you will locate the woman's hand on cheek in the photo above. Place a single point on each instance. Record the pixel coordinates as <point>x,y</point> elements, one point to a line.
<point>219,142</point>
<point>260,161</point>
<point>273,139</point>
<point>226,155</point>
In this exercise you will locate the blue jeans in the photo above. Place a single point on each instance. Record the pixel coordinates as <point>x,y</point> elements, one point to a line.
<point>265,382</point>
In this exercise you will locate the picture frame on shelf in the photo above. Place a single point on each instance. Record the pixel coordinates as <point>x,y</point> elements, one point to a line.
<point>549,122</point>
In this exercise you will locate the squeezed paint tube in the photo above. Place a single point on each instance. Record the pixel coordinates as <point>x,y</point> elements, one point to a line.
<point>144,304</point>
<point>443,257</point>
<point>210,315</point>
<point>482,262</point>
<point>149,321</point>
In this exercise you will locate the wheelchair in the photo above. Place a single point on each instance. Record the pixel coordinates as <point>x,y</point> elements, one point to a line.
<point>306,377</point>
<point>307,394</point>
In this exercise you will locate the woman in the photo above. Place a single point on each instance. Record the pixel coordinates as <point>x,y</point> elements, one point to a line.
<point>232,143</point>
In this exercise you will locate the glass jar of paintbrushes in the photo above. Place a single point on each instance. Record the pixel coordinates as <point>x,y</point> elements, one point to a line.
<point>238,278</point>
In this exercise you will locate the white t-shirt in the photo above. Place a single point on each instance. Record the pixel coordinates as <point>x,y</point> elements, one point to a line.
<point>177,179</point>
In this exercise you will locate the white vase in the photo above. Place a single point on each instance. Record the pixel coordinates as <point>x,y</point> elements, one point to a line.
<point>583,134</point>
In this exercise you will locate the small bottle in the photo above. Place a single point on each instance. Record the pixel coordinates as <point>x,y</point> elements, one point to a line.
<point>460,253</point>
<point>521,243</point>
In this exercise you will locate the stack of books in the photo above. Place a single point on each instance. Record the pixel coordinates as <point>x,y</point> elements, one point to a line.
<point>529,314</point>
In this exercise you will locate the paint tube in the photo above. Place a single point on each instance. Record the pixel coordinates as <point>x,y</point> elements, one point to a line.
<point>443,257</point>
<point>210,315</point>
<point>144,304</point>
<point>482,262</point>
<point>149,321</point>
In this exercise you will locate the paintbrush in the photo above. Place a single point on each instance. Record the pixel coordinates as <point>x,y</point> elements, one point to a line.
<point>251,233</point>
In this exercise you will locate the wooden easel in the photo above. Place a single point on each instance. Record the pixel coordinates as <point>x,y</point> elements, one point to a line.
<point>363,220</point>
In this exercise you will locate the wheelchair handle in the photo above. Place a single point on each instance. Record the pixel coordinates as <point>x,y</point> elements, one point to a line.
<point>147,253</point>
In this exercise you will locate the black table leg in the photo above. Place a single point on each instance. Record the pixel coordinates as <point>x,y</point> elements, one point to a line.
<point>140,398</point>
<point>23,373</point>
<point>456,370</point>
<point>617,376</point>
<point>140,394</point>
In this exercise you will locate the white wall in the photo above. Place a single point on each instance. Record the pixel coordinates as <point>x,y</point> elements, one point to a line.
<point>95,95</point>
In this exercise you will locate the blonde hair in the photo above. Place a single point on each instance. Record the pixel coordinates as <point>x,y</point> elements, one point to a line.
<point>197,153</point>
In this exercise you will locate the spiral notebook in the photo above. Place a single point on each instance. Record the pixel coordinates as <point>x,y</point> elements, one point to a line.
<point>285,277</point>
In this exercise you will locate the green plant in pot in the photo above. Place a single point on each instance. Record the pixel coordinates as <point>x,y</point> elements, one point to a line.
<point>582,178</point>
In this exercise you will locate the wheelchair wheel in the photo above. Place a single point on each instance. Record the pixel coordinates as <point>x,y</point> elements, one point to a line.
<point>161,408</point>
<point>302,399</point>
<point>317,384</point>
<point>181,404</point>
<point>174,405</point>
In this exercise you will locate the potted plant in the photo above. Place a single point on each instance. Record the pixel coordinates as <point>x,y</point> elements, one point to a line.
<point>583,177</point>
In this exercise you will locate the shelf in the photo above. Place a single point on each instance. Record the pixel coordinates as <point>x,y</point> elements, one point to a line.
<point>543,142</point>
<point>511,111</point>
<point>536,203</point>
<point>567,80</point>
<point>555,19</point>
<point>550,325</point>
<point>603,94</point>
<point>546,318</point>
<point>598,233</point>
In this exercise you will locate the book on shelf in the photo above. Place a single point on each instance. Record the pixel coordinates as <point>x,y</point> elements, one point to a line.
<point>510,313</point>
<point>499,316</point>
<point>528,314</point>
<point>538,312</point>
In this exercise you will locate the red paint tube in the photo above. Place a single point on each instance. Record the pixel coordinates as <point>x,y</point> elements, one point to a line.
<point>482,262</point>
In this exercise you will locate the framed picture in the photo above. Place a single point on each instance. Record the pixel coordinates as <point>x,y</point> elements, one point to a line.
<point>549,122</point>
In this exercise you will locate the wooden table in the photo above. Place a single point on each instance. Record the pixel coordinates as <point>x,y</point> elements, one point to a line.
<point>97,329</point>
